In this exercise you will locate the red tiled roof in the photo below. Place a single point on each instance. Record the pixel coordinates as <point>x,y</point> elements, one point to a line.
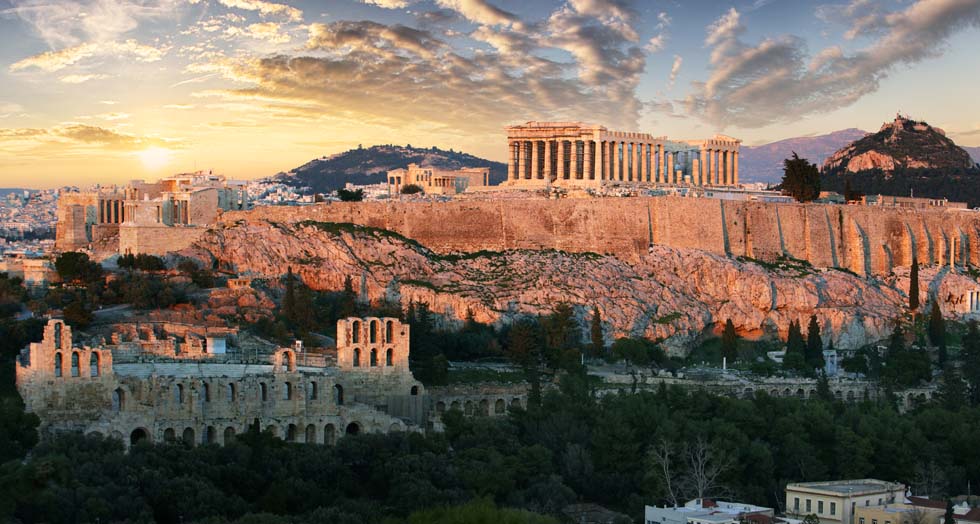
<point>927,503</point>
<point>973,515</point>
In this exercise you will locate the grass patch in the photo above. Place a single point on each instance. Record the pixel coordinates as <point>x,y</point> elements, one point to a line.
<point>667,319</point>
<point>783,263</point>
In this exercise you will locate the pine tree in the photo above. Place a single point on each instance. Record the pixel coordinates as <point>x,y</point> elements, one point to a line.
<point>814,345</point>
<point>595,333</point>
<point>937,330</point>
<point>801,179</point>
<point>729,342</point>
<point>914,285</point>
<point>823,388</point>
<point>952,390</point>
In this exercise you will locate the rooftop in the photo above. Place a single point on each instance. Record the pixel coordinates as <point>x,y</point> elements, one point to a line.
<point>849,487</point>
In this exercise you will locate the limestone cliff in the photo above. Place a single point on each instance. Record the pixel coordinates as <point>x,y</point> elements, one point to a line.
<point>902,143</point>
<point>675,294</point>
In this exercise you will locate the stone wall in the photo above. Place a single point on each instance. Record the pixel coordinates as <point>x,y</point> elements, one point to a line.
<point>156,239</point>
<point>864,240</point>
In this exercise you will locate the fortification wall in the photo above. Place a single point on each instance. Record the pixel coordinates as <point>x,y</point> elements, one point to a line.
<point>156,239</point>
<point>865,240</point>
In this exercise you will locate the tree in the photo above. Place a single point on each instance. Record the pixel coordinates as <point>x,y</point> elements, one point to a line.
<point>348,300</point>
<point>78,315</point>
<point>75,266</point>
<point>850,194</point>
<point>952,390</point>
<point>347,195</point>
<point>937,330</point>
<point>970,356</point>
<point>795,359</point>
<point>914,285</point>
<point>595,333</point>
<point>904,368</point>
<point>411,189</point>
<point>706,465</point>
<point>562,337</point>
<point>729,342</point>
<point>814,345</point>
<point>801,179</point>
<point>289,298</point>
<point>950,516</point>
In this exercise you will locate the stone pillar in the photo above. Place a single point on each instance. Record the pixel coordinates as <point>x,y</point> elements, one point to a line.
<point>573,159</point>
<point>512,160</point>
<point>671,175</point>
<point>588,170</point>
<point>522,159</point>
<point>613,160</point>
<point>607,160</point>
<point>661,166</point>
<point>729,167</point>
<point>701,174</point>
<point>712,160</point>
<point>535,160</point>
<point>735,168</point>
<point>696,171</point>
<point>636,162</point>
<point>548,152</point>
<point>562,158</point>
<point>642,171</point>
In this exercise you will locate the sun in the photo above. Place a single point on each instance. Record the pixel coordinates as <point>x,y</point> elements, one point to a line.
<point>154,158</point>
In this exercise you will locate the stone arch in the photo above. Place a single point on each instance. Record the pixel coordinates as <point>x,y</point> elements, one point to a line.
<point>389,357</point>
<point>287,391</point>
<point>468,407</point>
<point>355,332</point>
<point>139,435</point>
<point>291,431</point>
<point>787,392</point>
<point>357,357</point>
<point>455,405</point>
<point>229,435</point>
<point>273,430</point>
<point>838,394</point>
<point>312,390</point>
<point>414,391</point>
<point>500,406</point>
<point>230,394</point>
<point>484,407</point>
<point>373,332</point>
<point>800,393</point>
<point>75,371</point>
<point>374,357</point>
<point>310,434</point>
<point>440,407</point>
<point>57,363</point>
<point>287,360</point>
<point>210,435</point>
<point>909,400</point>
<point>395,427</point>
<point>118,400</point>
<point>389,331</point>
<point>188,436</point>
<point>169,435</point>
<point>263,392</point>
<point>117,435</point>
<point>338,395</point>
<point>353,428</point>
<point>329,435</point>
<point>94,364</point>
<point>516,403</point>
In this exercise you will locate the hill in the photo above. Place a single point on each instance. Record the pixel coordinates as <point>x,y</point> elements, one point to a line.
<point>764,163</point>
<point>370,166</point>
<point>974,152</point>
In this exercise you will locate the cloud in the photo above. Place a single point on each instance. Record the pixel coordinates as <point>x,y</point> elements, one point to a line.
<point>388,4</point>
<point>179,107</point>
<point>70,137</point>
<point>51,61</point>
<point>480,12</point>
<point>655,44</point>
<point>81,79</point>
<point>113,116</point>
<point>266,8</point>
<point>777,80</point>
<point>675,69</point>
<point>68,24</point>
<point>8,109</point>
<point>268,31</point>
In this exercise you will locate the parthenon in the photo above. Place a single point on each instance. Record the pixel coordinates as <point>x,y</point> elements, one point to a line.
<point>573,154</point>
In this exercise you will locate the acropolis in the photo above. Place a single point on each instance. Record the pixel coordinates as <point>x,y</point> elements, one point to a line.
<point>574,154</point>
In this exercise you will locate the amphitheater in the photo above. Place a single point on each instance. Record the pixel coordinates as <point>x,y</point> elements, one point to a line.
<point>314,396</point>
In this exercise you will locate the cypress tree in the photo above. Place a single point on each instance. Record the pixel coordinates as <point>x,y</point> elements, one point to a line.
<point>814,344</point>
<point>795,347</point>
<point>937,330</point>
<point>289,300</point>
<point>971,362</point>
<point>595,332</point>
<point>949,517</point>
<point>348,299</point>
<point>729,342</point>
<point>952,390</point>
<point>914,285</point>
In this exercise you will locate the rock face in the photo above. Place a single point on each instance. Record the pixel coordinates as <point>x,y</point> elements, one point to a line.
<point>902,143</point>
<point>674,294</point>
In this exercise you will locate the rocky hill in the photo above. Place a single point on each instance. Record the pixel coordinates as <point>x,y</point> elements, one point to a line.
<point>764,163</point>
<point>901,144</point>
<point>370,166</point>
<point>673,294</point>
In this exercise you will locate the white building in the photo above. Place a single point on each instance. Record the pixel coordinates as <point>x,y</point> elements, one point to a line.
<point>706,511</point>
<point>834,502</point>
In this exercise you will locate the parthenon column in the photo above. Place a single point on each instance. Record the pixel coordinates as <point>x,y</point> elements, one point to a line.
<point>671,175</point>
<point>712,160</point>
<point>614,153</point>
<point>535,159</point>
<point>548,152</point>
<point>735,168</point>
<point>573,163</point>
<point>641,169</point>
<point>636,162</point>
<point>512,161</point>
<point>522,159</point>
<point>660,164</point>
<point>730,167</point>
<point>588,172</point>
<point>701,174</point>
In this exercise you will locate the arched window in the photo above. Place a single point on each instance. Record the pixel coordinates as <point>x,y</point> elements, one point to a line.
<point>57,363</point>
<point>355,332</point>
<point>74,363</point>
<point>389,331</point>
<point>263,392</point>
<point>338,395</point>
<point>210,435</point>
<point>312,389</point>
<point>291,433</point>
<point>374,332</point>
<point>357,358</point>
<point>287,391</point>
<point>311,434</point>
<point>57,335</point>
<point>374,357</point>
<point>118,400</point>
<point>389,357</point>
<point>230,392</point>
<point>188,436</point>
<point>206,392</point>
<point>169,435</point>
<point>414,391</point>
<point>93,365</point>
<point>179,393</point>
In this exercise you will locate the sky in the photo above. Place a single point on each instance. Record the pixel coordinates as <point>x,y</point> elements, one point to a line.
<point>105,91</point>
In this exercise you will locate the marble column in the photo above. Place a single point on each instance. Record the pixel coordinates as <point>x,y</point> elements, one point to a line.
<point>660,163</point>
<point>735,168</point>
<point>642,171</point>
<point>522,159</point>
<point>636,162</point>
<point>712,160</point>
<point>535,159</point>
<point>729,167</point>
<point>701,174</point>
<point>573,165</point>
<point>614,153</point>
<point>671,175</point>
<point>548,153</point>
<point>512,161</point>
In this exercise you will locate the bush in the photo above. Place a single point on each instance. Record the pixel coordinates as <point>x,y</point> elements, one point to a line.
<point>411,189</point>
<point>346,195</point>
<point>141,261</point>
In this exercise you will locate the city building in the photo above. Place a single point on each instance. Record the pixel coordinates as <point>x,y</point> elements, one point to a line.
<point>910,510</point>
<point>708,511</point>
<point>438,181</point>
<point>912,202</point>
<point>142,217</point>
<point>836,502</point>
<point>574,154</point>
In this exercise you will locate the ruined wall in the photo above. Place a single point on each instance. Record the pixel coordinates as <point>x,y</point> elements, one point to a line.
<point>866,240</point>
<point>156,239</point>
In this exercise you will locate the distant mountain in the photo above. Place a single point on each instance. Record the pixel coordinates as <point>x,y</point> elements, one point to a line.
<point>371,165</point>
<point>765,163</point>
<point>974,152</point>
<point>900,144</point>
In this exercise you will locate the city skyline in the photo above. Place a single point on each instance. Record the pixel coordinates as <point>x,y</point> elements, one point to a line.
<point>109,91</point>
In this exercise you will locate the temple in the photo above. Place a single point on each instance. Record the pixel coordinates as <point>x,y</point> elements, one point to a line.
<point>573,154</point>
<point>438,181</point>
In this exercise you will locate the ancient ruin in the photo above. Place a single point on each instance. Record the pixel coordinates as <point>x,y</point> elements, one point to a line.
<point>573,154</point>
<point>438,181</point>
